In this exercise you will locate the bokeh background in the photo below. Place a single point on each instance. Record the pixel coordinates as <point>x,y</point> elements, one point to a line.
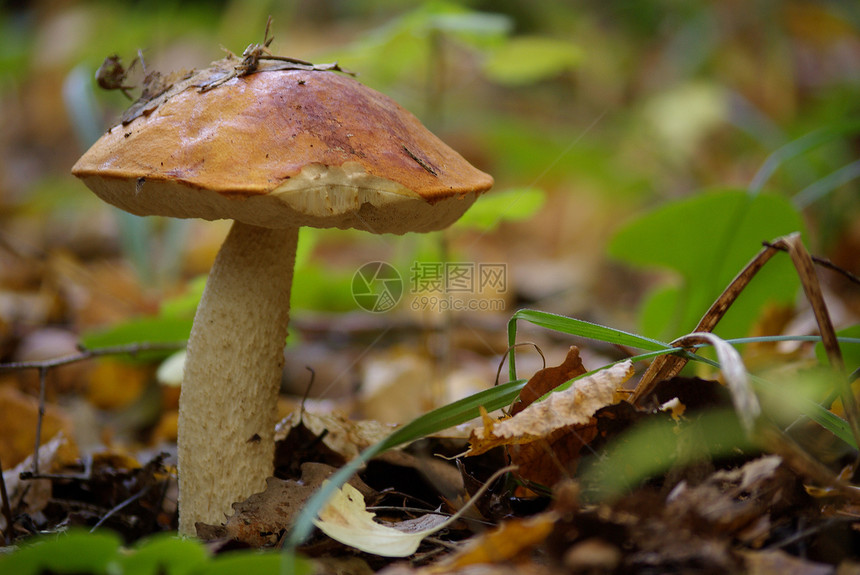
<point>587,113</point>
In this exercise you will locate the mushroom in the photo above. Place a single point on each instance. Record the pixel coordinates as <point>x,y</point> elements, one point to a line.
<point>273,149</point>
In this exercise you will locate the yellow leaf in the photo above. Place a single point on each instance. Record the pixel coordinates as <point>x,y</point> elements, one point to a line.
<point>504,542</point>
<point>346,519</point>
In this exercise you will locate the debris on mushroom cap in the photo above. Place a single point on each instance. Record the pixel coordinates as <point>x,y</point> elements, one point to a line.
<point>288,144</point>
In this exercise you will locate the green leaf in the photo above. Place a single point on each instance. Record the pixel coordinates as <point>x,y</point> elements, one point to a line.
<point>654,446</point>
<point>316,287</point>
<point>163,554</point>
<point>508,205</point>
<point>529,59</point>
<point>147,329</point>
<point>256,563</point>
<point>185,304</point>
<point>579,328</point>
<point>850,349</point>
<point>75,551</point>
<point>707,239</point>
<point>403,48</point>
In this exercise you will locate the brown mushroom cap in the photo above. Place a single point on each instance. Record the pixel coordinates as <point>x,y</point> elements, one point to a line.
<point>280,148</point>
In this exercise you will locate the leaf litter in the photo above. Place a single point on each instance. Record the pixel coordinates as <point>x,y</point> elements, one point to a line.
<point>721,514</point>
<point>749,510</point>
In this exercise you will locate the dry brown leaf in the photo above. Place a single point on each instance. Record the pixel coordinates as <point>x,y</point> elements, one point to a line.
<point>32,496</point>
<point>339,433</point>
<point>503,543</point>
<point>19,415</point>
<point>573,406</point>
<point>554,457</point>
<point>547,379</point>
<point>115,384</point>
<point>777,561</point>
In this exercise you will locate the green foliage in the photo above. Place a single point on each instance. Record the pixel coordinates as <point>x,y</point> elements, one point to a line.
<point>850,353</point>
<point>511,205</point>
<point>158,329</point>
<point>78,551</point>
<point>407,45</point>
<point>707,239</point>
<point>650,449</point>
<point>72,552</point>
<point>318,287</point>
<point>530,59</point>
<point>164,554</point>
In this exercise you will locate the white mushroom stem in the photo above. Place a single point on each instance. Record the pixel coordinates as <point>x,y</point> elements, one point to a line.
<point>228,406</point>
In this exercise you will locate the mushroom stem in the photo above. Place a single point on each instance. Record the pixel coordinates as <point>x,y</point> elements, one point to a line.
<point>228,406</point>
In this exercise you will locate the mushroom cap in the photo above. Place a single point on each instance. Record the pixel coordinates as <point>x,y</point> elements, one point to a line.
<point>278,148</point>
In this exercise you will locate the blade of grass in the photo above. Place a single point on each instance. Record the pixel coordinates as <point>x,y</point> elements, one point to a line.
<point>434,421</point>
<point>798,147</point>
<point>580,328</point>
<point>823,417</point>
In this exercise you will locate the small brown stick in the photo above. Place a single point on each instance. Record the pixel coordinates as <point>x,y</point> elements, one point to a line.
<point>793,244</point>
<point>823,262</point>
<point>120,506</point>
<point>43,376</point>
<point>7,510</point>
<point>131,349</point>
<point>668,366</point>
<point>812,288</point>
<point>44,365</point>
<point>805,465</point>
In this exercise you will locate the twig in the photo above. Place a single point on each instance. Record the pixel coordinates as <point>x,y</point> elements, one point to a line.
<point>668,366</point>
<point>120,506</point>
<point>7,510</point>
<point>812,288</point>
<point>131,349</point>
<point>823,262</point>
<point>43,376</point>
<point>44,365</point>
<point>508,351</point>
<point>82,476</point>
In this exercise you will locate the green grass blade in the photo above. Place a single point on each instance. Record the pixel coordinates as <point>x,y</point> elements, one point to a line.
<point>577,327</point>
<point>432,422</point>
<point>798,147</point>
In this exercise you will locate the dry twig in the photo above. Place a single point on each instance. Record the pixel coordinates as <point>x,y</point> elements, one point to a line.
<point>45,365</point>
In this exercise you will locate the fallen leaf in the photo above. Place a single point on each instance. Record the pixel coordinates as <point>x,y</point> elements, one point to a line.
<point>32,496</point>
<point>303,430</point>
<point>19,414</point>
<point>778,561</point>
<point>555,456</point>
<point>547,379</point>
<point>261,519</point>
<point>573,406</point>
<point>397,386</point>
<point>592,555</point>
<point>346,519</point>
<point>115,384</point>
<point>502,543</point>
